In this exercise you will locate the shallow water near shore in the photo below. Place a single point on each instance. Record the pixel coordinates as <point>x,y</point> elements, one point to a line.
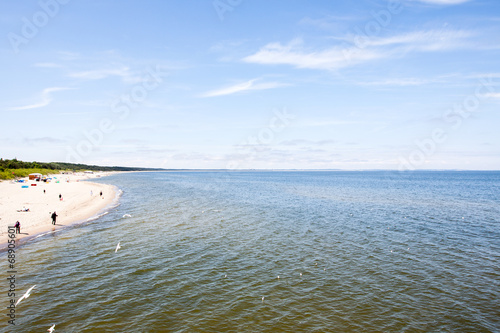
<point>202,252</point>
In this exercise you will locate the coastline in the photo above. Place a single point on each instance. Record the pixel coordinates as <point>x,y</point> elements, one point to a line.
<point>81,202</point>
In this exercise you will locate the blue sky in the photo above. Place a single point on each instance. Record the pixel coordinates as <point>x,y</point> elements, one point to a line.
<point>408,84</point>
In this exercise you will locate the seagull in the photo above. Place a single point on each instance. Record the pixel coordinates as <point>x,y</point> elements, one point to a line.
<point>118,247</point>
<point>278,276</point>
<point>225,276</point>
<point>26,295</point>
<point>127,215</point>
<point>300,274</point>
<point>52,329</point>
<point>262,299</point>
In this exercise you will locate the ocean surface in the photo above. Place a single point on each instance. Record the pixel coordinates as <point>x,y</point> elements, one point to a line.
<point>274,252</point>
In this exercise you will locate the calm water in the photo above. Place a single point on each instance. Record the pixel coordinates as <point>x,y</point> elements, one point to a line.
<point>378,252</point>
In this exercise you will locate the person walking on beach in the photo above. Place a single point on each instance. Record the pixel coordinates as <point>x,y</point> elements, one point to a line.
<point>100,194</point>
<point>54,215</point>
<point>60,196</point>
<point>18,227</point>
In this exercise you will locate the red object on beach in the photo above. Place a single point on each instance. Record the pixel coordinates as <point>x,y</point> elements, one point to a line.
<point>33,184</point>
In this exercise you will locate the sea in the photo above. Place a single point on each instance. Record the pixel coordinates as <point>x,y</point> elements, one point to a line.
<point>273,251</point>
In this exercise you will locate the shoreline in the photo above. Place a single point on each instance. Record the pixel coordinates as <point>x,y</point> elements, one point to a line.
<point>81,202</point>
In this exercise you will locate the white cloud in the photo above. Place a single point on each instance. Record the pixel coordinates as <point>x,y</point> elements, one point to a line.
<point>494,95</point>
<point>484,76</point>
<point>431,40</point>
<point>245,86</point>
<point>360,49</point>
<point>396,82</point>
<point>47,65</point>
<point>303,142</point>
<point>98,74</point>
<point>294,54</point>
<point>45,97</point>
<point>324,122</point>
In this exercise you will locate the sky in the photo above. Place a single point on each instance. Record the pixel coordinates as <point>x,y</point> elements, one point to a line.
<point>252,84</point>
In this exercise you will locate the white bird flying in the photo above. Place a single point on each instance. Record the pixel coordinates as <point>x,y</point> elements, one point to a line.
<point>127,215</point>
<point>118,247</point>
<point>52,329</point>
<point>26,295</point>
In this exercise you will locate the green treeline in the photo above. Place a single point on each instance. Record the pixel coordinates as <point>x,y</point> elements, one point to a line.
<point>10,169</point>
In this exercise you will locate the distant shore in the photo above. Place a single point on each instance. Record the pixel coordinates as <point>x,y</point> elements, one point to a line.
<point>81,200</point>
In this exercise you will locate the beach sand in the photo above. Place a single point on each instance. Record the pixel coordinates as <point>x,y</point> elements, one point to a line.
<point>81,200</point>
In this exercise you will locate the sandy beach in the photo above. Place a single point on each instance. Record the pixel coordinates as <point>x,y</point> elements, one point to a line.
<point>80,200</point>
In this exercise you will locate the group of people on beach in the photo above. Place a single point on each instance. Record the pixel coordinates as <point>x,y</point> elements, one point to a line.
<point>53,215</point>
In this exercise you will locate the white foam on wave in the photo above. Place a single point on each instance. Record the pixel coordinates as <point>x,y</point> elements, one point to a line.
<point>47,233</point>
<point>97,216</point>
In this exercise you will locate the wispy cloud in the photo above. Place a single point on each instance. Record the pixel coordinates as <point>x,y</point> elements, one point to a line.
<point>99,74</point>
<point>484,76</point>
<point>43,140</point>
<point>359,49</point>
<point>324,122</point>
<point>244,86</point>
<point>302,142</point>
<point>294,54</point>
<point>494,95</point>
<point>45,97</point>
<point>423,41</point>
<point>396,82</point>
<point>47,65</point>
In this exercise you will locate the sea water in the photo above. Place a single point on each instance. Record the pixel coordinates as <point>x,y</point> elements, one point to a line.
<point>274,252</point>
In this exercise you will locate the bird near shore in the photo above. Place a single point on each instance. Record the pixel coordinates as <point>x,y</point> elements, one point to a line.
<point>262,299</point>
<point>26,295</point>
<point>118,247</point>
<point>127,215</point>
<point>52,328</point>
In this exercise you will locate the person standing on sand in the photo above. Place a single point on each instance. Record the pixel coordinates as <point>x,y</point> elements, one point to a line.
<point>54,215</point>
<point>100,194</point>
<point>18,227</point>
